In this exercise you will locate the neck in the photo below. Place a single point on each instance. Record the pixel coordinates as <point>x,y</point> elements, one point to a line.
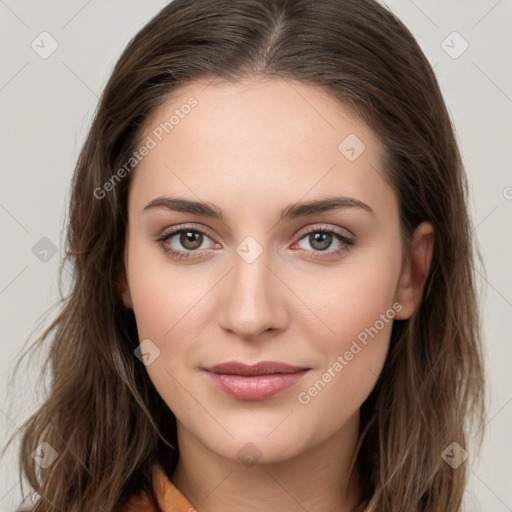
<point>316,480</point>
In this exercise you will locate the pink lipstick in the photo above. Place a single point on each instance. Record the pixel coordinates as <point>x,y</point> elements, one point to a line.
<point>254,382</point>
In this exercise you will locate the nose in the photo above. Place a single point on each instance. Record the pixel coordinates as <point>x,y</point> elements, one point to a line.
<point>252,300</point>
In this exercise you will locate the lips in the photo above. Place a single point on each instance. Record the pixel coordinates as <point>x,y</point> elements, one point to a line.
<point>259,381</point>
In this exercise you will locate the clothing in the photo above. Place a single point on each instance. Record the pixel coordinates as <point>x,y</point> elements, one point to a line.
<point>169,497</point>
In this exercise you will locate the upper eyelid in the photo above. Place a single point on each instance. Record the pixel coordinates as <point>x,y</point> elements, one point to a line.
<point>173,231</point>
<point>329,229</point>
<point>308,230</point>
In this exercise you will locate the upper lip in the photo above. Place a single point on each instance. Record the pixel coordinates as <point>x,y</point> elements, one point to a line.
<point>262,368</point>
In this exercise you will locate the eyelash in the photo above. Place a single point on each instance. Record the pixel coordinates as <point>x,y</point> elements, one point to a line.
<point>346,242</point>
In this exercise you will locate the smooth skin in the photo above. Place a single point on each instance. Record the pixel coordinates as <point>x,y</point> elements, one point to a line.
<point>252,149</point>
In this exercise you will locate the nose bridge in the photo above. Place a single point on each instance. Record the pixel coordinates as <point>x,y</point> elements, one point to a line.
<point>252,299</point>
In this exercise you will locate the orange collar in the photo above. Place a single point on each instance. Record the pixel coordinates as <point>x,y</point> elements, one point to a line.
<point>169,498</point>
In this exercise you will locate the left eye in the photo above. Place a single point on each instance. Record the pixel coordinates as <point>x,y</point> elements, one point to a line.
<point>321,239</point>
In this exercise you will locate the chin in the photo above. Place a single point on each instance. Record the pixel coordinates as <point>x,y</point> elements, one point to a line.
<point>256,443</point>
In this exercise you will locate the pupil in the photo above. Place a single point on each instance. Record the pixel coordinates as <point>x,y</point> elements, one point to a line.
<point>191,240</point>
<point>323,238</point>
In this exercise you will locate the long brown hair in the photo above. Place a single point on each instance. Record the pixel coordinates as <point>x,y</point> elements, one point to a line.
<point>102,414</point>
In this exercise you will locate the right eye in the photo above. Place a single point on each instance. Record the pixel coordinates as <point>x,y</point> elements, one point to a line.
<point>190,239</point>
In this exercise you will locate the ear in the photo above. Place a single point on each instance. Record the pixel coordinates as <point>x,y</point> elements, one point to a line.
<point>124,289</point>
<point>409,290</point>
<point>122,279</point>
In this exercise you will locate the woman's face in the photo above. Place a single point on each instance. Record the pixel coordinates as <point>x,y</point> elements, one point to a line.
<point>235,169</point>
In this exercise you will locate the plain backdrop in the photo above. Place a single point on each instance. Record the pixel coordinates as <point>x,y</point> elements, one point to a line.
<point>46,109</point>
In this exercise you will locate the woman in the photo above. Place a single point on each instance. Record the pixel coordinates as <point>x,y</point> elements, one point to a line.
<point>274,303</point>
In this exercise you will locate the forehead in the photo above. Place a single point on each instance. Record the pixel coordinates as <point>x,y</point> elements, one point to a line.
<point>273,138</point>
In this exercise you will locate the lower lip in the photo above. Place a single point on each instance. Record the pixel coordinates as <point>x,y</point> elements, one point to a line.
<point>254,387</point>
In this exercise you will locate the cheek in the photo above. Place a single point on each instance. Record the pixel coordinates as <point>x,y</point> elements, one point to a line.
<point>161,293</point>
<point>357,309</point>
<point>352,361</point>
<point>168,305</point>
<point>163,304</point>
<point>345,300</point>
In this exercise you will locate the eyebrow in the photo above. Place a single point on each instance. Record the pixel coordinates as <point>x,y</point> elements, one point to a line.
<point>292,211</point>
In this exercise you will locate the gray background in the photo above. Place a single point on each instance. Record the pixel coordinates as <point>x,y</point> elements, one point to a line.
<point>46,109</point>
